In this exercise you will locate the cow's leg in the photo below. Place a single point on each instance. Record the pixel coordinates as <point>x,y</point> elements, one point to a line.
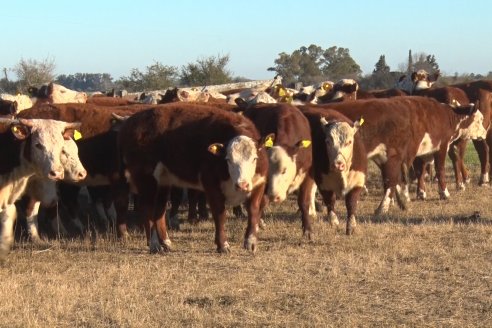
<point>253,205</point>
<point>32,211</point>
<point>351,200</point>
<point>69,197</point>
<point>8,217</point>
<point>121,197</point>
<point>216,202</point>
<point>192,205</point>
<point>305,203</point>
<point>455,152</point>
<point>419,165</point>
<point>439,159</point>
<point>482,148</point>
<point>391,172</point>
<point>329,198</point>
<point>176,197</point>
<point>159,217</point>
<point>202,206</point>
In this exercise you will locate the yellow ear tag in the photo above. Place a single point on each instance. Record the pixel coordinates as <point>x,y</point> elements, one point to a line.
<point>326,86</point>
<point>15,129</point>
<point>77,135</point>
<point>361,121</point>
<point>281,92</point>
<point>269,142</point>
<point>305,143</point>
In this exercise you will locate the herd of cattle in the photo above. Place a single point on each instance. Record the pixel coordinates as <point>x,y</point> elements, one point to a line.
<point>236,148</point>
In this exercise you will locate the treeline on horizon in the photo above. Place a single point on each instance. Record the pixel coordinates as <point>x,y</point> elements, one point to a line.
<point>306,65</point>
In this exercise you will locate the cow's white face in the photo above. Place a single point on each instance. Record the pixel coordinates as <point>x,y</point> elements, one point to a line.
<point>339,138</point>
<point>74,170</point>
<point>61,95</point>
<point>50,147</point>
<point>193,95</point>
<point>282,170</point>
<point>343,85</point>
<point>476,129</point>
<point>241,155</point>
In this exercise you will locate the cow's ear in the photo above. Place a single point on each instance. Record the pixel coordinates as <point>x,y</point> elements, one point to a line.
<point>216,149</point>
<point>13,108</point>
<point>241,103</point>
<point>303,143</point>
<point>358,124</point>
<point>33,91</point>
<point>269,140</point>
<point>20,131</point>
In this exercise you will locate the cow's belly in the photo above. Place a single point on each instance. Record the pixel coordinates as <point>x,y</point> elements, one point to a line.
<point>165,177</point>
<point>379,154</point>
<point>342,182</point>
<point>426,146</point>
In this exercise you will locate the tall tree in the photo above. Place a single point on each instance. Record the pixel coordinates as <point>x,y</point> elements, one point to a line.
<point>314,64</point>
<point>381,66</point>
<point>206,71</point>
<point>34,72</point>
<point>339,64</point>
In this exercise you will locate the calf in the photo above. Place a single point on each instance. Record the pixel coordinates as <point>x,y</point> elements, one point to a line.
<point>30,147</point>
<point>339,161</point>
<point>288,143</point>
<point>401,128</point>
<point>192,146</point>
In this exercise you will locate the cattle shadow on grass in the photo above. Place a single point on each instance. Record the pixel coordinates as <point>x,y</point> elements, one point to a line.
<point>472,218</point>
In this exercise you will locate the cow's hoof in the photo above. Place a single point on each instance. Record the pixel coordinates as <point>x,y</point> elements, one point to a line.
<point>250,244</point>
<point>155,248</point>
<point>262,224</point>
<point>460,186</point>
<point>308,234</point>
<point>166,246</point>
<point>333,219</point>
<point>351,224</point>
<point>224,249</point>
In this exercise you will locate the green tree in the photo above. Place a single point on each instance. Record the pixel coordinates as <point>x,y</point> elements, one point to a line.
<point>381,66</point>
<point>339,64</point>
<point>156,77</point>
<point>33,72</point>
<point>86,81</point>
<point>206,71</point>
<point>314,64</point>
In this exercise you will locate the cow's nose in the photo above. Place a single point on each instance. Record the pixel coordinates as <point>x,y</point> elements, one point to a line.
<point>56,174</point>
<point>82,174</point>
<point>243,186</point>
<point>340,165</point>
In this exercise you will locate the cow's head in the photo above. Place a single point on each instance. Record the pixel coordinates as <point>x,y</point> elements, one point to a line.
<point>282,168</point>
<point>49,147</point>
<point>346,89</point>
<point>241,155</point>
<point>471,127</point>
<point>339,138</point>
<point>57,94</point>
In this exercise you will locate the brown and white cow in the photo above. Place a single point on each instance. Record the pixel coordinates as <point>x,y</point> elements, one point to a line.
<point>417,81</point>
<point>98,154</point>
<point>30,147</point>
<point>339,161</point>
<point>54,93</point>
<point>287,138</point>
<point>399,129</point>
<point>197,147</point>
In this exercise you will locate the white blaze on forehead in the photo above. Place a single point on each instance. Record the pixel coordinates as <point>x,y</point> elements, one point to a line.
<point>241,159</point>
<point>281,172</point>
<point>476,129</point>
<point>61,95</point>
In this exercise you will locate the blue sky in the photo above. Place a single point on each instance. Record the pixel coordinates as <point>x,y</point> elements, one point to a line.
<point>116,36</point>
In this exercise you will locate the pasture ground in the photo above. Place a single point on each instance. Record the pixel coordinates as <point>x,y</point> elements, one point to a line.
<point>428,267</point>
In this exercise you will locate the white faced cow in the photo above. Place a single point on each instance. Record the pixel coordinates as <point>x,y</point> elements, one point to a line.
<point>30,147</point>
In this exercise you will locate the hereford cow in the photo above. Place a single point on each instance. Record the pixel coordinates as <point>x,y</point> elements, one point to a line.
<point>417,81</point>
<point>98,154</point>
<point>196,147</point>
<point>399,129</point>
<point>54,93</point>
<point>339,161</point>
<point>288,143</point>
<point>30,147</point>
<point>477,92</point>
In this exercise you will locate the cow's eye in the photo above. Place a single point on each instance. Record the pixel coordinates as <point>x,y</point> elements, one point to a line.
<point>39,146</point>
<point>284,170</point>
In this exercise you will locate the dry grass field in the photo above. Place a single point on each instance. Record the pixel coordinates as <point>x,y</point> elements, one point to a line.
<point>428,267</point>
